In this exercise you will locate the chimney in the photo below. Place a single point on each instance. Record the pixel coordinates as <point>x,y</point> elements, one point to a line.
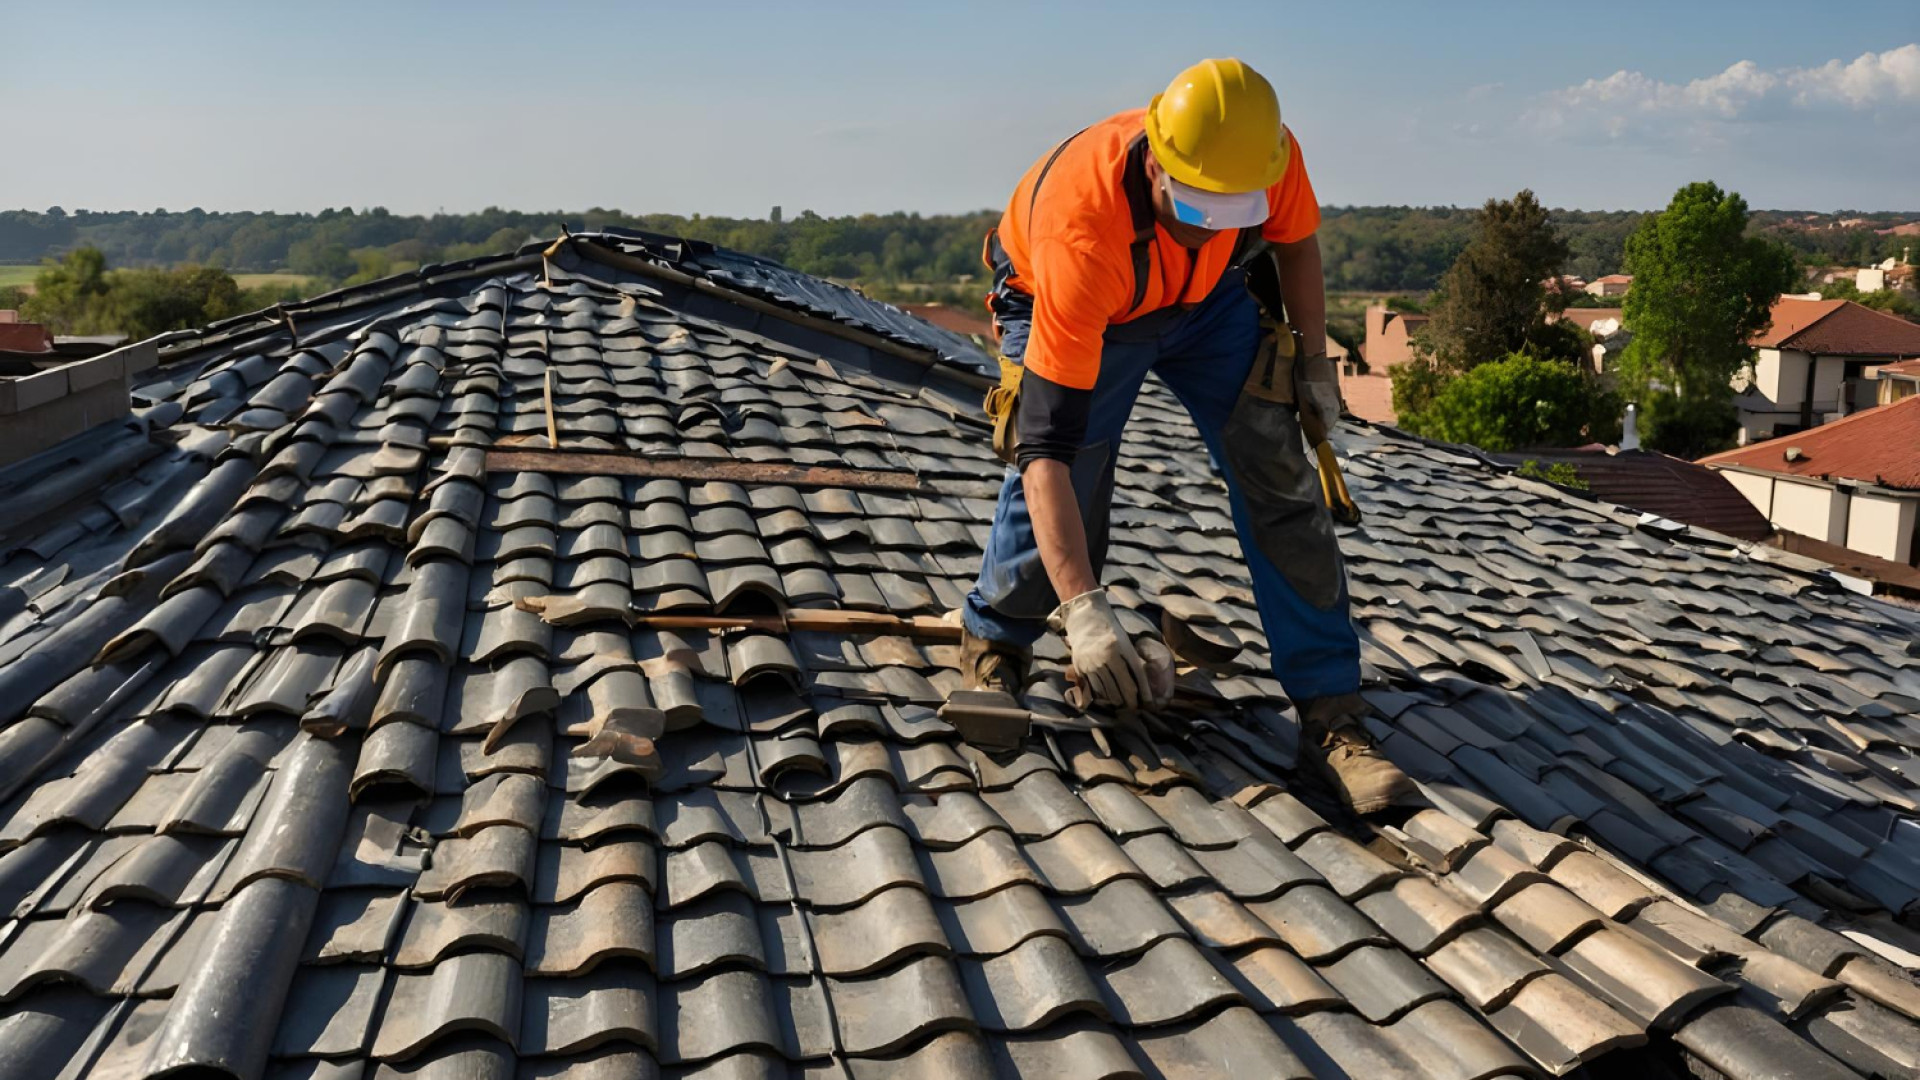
<point>1630,428</point>
<point>1376,322</point>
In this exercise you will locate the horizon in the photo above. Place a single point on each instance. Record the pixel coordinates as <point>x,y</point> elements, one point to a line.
<point>846,107</point>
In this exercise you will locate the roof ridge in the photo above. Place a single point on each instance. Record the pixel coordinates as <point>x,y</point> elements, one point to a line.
<point>1821,432</point>
<point>1835,305</point>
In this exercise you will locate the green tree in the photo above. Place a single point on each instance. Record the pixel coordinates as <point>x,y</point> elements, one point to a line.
<point>145,302</point>
<point>1560,472</point>
<point>80,295</point>
<point>1492,301</point>
<point>316,258</point>
<point>1415,384</point>
<point>1702,288</point>
<point>1887,300</point>
<point>69,296</point>
<point>1520,401</point>
<point>1687,427</point>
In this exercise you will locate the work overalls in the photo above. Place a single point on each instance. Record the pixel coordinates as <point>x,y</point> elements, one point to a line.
<point>1203,354</point>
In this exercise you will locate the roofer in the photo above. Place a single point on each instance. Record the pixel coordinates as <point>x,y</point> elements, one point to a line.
<point>1137,245</point>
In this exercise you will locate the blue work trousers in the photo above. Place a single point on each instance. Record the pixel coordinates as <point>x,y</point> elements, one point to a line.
<point>1203,354</point>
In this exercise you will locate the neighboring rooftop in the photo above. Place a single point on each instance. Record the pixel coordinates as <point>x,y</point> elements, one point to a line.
<point>969,321</point>
<point>1654,483</point>
<point>294,781</point>
<point>1584,318</point>
<point>1838,328</point>
<point>1877,446</point>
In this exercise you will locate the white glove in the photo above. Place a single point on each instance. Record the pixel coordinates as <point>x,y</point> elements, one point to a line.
<point>1102,654</point>
<point>1159,661</point>
<point>1317,390</point>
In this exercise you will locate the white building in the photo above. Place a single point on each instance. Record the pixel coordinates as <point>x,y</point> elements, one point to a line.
<point>1817,362</point>
<point>1854,482</point>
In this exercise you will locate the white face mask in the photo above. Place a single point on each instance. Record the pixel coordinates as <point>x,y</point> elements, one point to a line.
<point>1212,209</point>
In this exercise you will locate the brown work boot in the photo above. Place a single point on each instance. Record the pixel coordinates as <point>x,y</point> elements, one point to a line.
<point>989,665</point>
<point>1335,742</point>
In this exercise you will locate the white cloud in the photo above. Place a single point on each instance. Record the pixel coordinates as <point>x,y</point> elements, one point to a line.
<point>1871,79</point>
<point>1745,91</point>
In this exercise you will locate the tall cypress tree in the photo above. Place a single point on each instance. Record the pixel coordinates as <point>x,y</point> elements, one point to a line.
<point>1493,300</point>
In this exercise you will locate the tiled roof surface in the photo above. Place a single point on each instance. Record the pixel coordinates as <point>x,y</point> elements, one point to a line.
<point>1682,491</point>
<point>321,810</point>
<point>1877,446</point>
<point>1839,328</point>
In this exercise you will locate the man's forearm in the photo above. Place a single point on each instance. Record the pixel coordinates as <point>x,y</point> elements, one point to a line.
<point>1303,283</point>
<point>1057,529</point>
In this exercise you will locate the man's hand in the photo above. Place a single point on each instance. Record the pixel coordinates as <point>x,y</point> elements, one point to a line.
<point>1159,661</point>
<point>1316,392</point>
<point>1103,655</point>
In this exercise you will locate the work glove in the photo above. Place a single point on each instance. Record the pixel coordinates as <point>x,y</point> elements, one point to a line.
<point>1159,661</point>
<point>1316,392</point>
<point>1107,662</point>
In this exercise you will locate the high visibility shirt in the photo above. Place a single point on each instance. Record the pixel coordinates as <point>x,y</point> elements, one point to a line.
<point>1070,247</point>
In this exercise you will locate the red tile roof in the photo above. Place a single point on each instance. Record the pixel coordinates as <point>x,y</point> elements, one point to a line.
<point>1584,318</point>
<point>1838,328</point>
<point>1880,446</point>
<point>1909,368</point>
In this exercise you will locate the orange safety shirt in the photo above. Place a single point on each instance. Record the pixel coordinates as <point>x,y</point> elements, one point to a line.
<point>1071,253</point>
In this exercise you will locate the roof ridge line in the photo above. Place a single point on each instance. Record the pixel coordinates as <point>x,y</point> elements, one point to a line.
<point>1829,426</point>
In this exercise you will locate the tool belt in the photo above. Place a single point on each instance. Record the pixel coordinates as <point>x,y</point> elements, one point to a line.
<point>1284,374</point>
<point>1000,406</point>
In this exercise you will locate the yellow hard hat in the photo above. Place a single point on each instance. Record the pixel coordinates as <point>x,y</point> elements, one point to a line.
<point>1217,128</point>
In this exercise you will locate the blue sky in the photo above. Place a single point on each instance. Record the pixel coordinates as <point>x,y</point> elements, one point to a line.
<point>730,108</point>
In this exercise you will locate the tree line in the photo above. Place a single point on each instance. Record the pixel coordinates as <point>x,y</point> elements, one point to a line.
<point>79,294</point>
<point>1495,368</point>
<point>1372,248</point>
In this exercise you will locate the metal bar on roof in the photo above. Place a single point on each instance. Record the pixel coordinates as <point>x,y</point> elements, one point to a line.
<point>601,463</point>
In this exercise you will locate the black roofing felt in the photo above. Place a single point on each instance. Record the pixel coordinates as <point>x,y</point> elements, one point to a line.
<point>1672,785</point>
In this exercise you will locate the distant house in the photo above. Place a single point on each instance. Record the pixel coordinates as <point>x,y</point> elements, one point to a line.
<point>968,321</point>
<point>1854,482</point>
<point>1594,320</point>
<point>1889,273</point>
<point>1814,363</point>
<point>1897,382</point>
<point>1607,328</point>
<point>1611,285</point>
<point>1389,337</point>
<point>1369,392</point>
